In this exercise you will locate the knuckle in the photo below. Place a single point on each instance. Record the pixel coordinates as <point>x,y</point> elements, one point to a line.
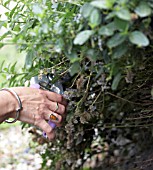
<point>62,109</point>
<point>42,108</point>
<point>42,96</point>
<point>60,98</point>
<point>43,100</point>
<point>41,92</point>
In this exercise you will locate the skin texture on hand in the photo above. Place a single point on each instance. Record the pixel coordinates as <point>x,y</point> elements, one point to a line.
<point>37,105</point>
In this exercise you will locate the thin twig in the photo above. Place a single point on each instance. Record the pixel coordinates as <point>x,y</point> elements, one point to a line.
<point>96,98</point>
<point>75,80</point>
<point>122,98</point>
<point>85,93</point>
<point>130,126</point>
<point>59,63</point>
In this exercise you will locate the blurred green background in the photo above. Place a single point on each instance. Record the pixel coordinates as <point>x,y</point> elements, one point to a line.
<point>9,54</point>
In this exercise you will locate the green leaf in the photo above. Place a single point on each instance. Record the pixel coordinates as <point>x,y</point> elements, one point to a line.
<point>106,57</point>
<point>6,3</point>
<point>143,9</point>
<point>1,45</point>
<point>92,55</point>
<point>116,81</point>
<point>75,68</point>
<point>110,15</point>
<point>6,69</point>
<point>104,4</point>
<point>2,64</point>
<point>119,51</point>
<point>107,30</point>
<point>4,35</point>
<point>12,11</point>
<point>116,40</point>
<point>95,18</point>
<point>16,28</point>
<point>120,24</point>
<point>29,59</point>
<point>73,57</point>
<point>124,14</point>
<point>139,38</point>
<point>82,37</point>
<point>12,68</point>
<point>86,10</point>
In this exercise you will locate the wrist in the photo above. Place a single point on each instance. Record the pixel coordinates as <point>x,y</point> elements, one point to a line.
<point>8,105</point>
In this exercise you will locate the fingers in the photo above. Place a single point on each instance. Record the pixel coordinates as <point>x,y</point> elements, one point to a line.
<point>44,105</point>
<point>45,113</point>
<point>61,109</point>
<point>41,123</point>
<point>48,107</point>
<point>56,97</point>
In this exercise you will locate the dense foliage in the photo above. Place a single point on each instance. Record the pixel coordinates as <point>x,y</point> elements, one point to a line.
<point>101,50</point>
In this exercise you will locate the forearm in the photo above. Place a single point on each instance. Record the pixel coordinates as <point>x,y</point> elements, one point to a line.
<point>7,105</point>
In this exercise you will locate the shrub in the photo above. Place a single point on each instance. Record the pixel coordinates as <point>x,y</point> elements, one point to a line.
<point>102,52</point>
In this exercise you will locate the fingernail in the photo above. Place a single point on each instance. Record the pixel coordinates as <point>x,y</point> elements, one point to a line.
<point>44,135</point>
<point>53,125</point>
<point>53,117</point>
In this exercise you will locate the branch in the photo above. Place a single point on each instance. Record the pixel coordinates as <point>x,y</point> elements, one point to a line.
<point>123,99</point>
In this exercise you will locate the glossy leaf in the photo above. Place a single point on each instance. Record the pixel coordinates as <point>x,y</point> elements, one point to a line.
<point>75,68</point>
<point>82,37</point>
<point>143,9</point>
<point>105,4</point>
<point>124,14</point>
<point>119,51</point>
<point>139,38</point>
<point>92,55</point>
<point>116,40</point>
<point>107,30</point>
<point>86,10</point>
<point>121,25</point>
<point>116,81</point>
<point>95,18</point>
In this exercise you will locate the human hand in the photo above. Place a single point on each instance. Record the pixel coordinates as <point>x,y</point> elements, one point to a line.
<point>38,106</point>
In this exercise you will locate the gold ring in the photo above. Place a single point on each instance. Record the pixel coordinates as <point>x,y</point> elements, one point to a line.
<point>53,117</point>
<point>57,106</point>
